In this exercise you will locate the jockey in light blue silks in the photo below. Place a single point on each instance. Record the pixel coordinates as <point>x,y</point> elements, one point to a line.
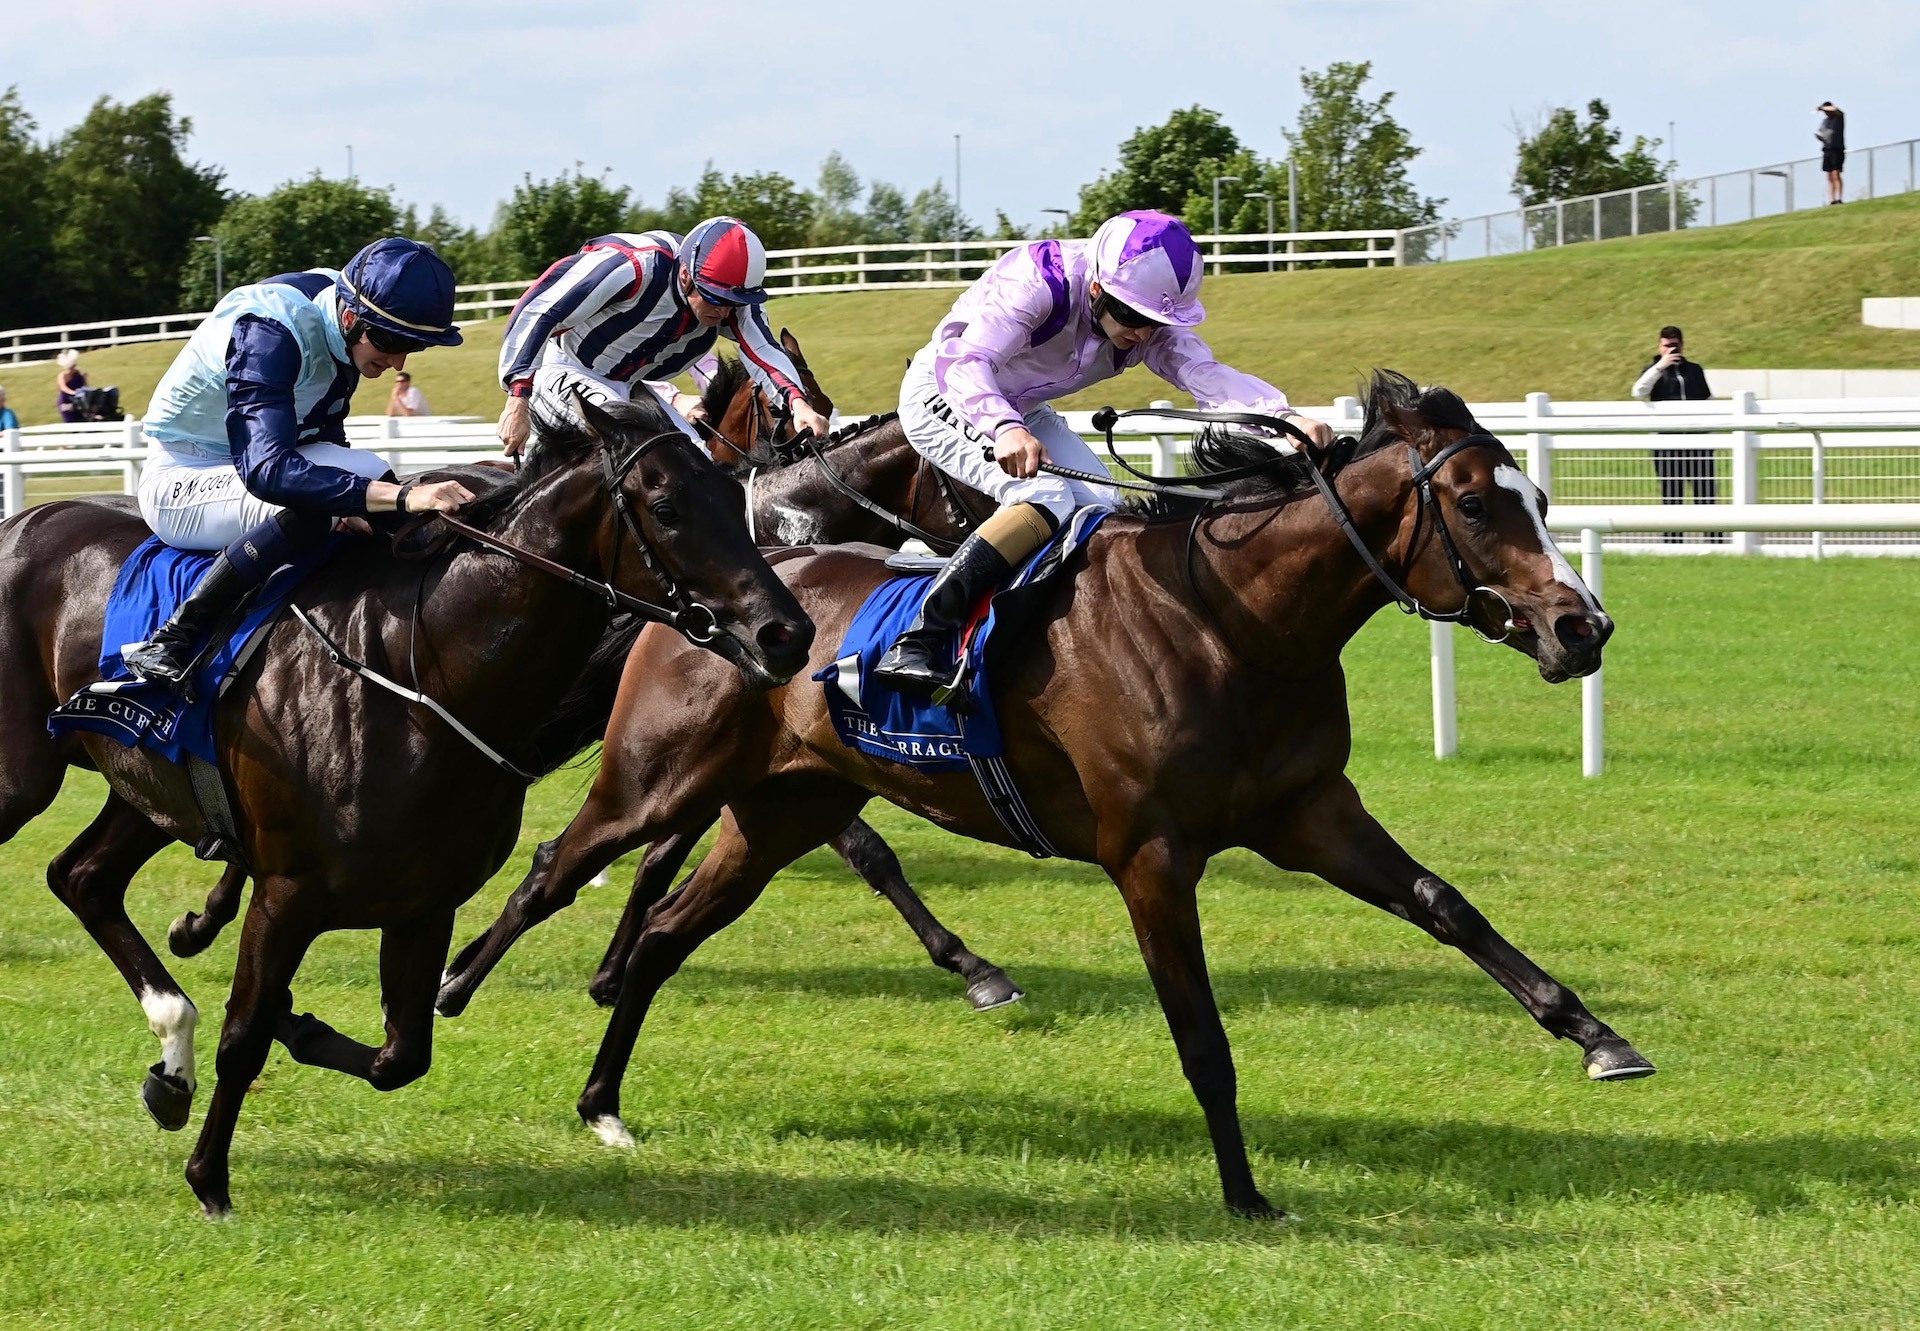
<point>1048,319</point>
<point>249,449</point>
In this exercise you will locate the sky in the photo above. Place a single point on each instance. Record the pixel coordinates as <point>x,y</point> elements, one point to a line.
<point>453,103</point>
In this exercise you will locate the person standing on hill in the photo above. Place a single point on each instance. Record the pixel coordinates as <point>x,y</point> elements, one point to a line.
<point>1833,148</point>
<point>1671,377</point>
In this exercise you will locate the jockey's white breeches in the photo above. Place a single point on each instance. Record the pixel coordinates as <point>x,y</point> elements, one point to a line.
<point>196,501</point>
<point>560,380</point>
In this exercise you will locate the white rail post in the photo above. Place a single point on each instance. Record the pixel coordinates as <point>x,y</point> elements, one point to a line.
<point>1819,489</point>
<point>13,494</point>
<point>1346,411</point>
<point>1540,443</point>
<point>1166,454</point>
<point>1593,689</point>
<point>133,436</point>
<point>1446,713</point>
<point>1746,467</point>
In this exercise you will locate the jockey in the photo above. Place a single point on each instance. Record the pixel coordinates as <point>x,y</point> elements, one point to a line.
<point>1046,320</point>
<point>250,453</point>
<point>636,309</point>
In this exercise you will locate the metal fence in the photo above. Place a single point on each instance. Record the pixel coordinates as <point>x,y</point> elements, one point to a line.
<point>1672,205</point>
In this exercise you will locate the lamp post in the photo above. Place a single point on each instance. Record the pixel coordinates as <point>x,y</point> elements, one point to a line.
<point>1066,215</point>
<point>219,267</point>
<point>1218,181</point>
<point>1267,195</point>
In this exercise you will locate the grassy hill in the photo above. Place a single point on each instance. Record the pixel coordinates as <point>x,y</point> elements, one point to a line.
<point>1577,322</point>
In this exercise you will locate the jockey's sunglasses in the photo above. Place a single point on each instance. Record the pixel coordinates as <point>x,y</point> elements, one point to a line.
<point>1123,314</point>
<point>712,298</point>
<point>393,344</point>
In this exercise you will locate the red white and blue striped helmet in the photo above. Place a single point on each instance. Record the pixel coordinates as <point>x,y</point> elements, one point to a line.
<point>726,261</point>
<point>1148,261</point>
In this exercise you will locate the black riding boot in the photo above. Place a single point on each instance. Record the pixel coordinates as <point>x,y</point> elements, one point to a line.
<point>166,657</point>
<point>921,661</point>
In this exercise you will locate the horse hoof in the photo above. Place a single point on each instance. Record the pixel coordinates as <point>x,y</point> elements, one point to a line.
<point>611,1131</point>
<point>993,990</point>
<point>1258,1209</point>
<point>452,1000</point>
<point>605,992</point>
<point>180,937</point>
<point>1616,1060</point>
<point>216,1209</point>
<point>167,1098</point>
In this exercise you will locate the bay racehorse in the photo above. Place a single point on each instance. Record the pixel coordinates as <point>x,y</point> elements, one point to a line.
<point>357,809</point>
<point>1223,623</point>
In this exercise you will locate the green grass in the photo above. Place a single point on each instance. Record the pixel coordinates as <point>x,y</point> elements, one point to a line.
<point>829,1138</point>
<point>1578,322</point>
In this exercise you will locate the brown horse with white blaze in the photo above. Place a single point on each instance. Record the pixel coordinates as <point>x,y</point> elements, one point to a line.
<point>1225,625</point>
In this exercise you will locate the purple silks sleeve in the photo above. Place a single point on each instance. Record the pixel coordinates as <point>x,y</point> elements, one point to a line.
<point>998,319</point>
<point>1183,360</point>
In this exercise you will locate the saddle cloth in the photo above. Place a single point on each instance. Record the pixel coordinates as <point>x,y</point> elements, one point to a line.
<point>153,581</point>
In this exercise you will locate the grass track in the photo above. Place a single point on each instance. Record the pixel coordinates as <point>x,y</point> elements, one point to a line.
<point>1579,322</point>
<point>830,1139</point>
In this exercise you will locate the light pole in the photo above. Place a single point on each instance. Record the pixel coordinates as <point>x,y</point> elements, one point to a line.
<point>1066,215</point>
<point>1264,194</point>
<point>349,162</point>
<point>956,194</point>
<point>219,267</point>
<point>1218,181</point>
<point>1293,206</point>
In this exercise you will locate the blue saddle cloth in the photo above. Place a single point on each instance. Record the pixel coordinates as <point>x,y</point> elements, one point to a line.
<point>153,581</point>
<point>917,731</point>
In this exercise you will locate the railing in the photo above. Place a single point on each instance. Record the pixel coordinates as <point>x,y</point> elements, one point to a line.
<point>1591,524</point>
<point>1669,205</point>
<point>863,267</point>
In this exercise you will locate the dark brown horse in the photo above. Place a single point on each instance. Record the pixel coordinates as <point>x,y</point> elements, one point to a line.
<point>1223,626</point>
<point>357,809</point>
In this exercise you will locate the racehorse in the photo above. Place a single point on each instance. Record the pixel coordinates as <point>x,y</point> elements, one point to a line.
<point>1223,620</point>
<point>356,809</point>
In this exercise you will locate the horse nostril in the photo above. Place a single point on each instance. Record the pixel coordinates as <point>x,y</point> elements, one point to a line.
<point>1579,633</point>
<point>783,639</point>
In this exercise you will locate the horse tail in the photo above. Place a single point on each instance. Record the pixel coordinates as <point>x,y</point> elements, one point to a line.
<point>581,719</point>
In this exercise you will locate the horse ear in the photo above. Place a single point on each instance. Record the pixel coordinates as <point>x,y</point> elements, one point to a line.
<point>600,425</point>
<point>1409,424</point>
<point>790,342</point>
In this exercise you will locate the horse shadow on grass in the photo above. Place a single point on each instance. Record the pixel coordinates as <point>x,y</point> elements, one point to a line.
<point>1462,1185</point>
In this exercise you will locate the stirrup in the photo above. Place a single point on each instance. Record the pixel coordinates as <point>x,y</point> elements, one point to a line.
<point>953,693</point>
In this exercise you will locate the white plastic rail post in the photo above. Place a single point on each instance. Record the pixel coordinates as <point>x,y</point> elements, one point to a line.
<point>1746,468</point>
<point>1446,716</point>
<point>1593,689</point>
<point>1540,443</point>
<point>14,498</point>
<point>1166,457</point>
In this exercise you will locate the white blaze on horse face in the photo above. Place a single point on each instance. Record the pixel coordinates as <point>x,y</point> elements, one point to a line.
<point>1512,478</point>
<point>172,1018</point>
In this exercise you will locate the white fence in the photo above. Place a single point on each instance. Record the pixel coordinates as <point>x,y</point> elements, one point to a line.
<point>1670,205</point>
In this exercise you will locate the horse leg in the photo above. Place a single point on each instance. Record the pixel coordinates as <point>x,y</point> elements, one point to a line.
<point>597,836</point>
<point>1335,837</point>
<point>763,832</point>
<point>276,934</point>
<point>873,859</point>
<point>650,880</point>
<point>91,877</point>
<point>194,932</point>
<point>1157,882</point>
<point>410,957</point>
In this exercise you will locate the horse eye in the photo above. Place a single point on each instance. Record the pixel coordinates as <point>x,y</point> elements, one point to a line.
<point>664,512</point>
<point>1473,506</point>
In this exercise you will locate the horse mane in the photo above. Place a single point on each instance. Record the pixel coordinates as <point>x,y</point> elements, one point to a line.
<point>581,718</point>
<point>560,440</point>
<point>1282,476</point>
<point>727,380</point>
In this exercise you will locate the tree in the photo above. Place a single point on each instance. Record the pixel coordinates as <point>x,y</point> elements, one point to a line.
<point>887,216</point>
<point>1565,159</point>
<point>1352,157</point>
<point>777,210</point>
<point>1161,166</point>
<point>472,256</point>
<point>836,204</point>
<point>312,223</point>
<point>545,219</point>
<point>933,216</point>
<point>26,220</point>
<point>129,207</point>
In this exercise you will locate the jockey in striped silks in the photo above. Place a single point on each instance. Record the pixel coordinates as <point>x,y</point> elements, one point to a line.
<point>635,309</point>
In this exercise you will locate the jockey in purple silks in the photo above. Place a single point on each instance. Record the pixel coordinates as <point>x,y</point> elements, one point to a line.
<point>1047,320</point>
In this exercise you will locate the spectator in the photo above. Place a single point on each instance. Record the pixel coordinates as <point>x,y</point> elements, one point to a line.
<point>406,400</point>
<point>1833,147</point>
<point>69,381</point>
<point>8,421</point>
<point>1671,377</point>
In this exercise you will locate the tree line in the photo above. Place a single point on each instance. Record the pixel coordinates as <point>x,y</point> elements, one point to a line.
<point>111,219</point>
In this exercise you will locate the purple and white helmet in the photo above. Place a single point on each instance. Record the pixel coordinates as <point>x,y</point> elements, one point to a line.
<point>1148,262</point>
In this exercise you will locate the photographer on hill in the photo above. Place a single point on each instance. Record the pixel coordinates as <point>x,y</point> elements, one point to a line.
<point>1671,377</point>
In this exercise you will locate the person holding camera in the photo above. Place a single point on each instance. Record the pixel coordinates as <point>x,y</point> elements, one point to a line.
<point>1671,377</point>
<point>1833,148</point>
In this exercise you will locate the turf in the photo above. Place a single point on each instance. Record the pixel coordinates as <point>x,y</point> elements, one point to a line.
<point>1578,322</point>
<point>829,1138</point>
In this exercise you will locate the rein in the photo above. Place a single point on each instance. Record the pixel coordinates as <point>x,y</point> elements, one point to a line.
<point>1496,607</point>
<point>812,448</point>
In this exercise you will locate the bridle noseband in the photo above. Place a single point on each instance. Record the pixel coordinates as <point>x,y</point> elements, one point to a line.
<point>695,621</point>
<point>1491,601</point>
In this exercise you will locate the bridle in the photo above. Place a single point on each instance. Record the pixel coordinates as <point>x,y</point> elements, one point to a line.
<point>694,620</point>
<point>1489,601</point>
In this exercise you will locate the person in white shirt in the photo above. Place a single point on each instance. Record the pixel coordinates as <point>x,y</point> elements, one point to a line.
<point>406,399</point>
